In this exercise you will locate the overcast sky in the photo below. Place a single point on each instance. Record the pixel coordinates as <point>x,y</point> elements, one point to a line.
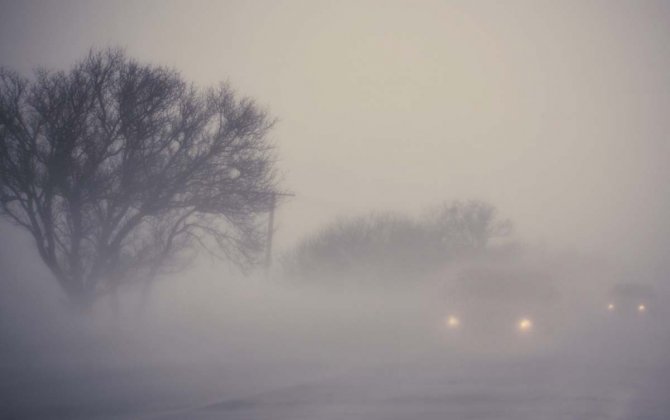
<point>556,112</point>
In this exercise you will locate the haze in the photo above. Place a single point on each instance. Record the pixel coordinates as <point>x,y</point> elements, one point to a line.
<point>554,112</point>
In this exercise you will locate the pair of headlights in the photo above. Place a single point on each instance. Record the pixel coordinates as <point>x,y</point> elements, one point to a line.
<point>640,308</point>
<point>523,324</point>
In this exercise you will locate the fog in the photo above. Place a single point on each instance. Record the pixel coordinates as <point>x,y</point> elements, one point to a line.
<point>552,112</point>
<point>270,347</point>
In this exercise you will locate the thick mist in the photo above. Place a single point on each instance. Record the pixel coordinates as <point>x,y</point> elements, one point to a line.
<point>552,112</point>
<point>217,344</point>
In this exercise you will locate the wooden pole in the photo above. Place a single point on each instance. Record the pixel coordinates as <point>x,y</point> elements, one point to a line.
<point>271,221</point>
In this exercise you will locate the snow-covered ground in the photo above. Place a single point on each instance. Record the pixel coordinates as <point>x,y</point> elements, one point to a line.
<point>293,373</point>
<point>530,390</point>
<point>514,389</point>
<point>271,352</point>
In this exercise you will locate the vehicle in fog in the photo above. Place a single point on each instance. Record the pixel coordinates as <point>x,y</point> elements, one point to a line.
<point>494,307</point>
<point>631,299</point>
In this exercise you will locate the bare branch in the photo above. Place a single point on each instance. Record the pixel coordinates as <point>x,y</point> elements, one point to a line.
<point>117,168</point>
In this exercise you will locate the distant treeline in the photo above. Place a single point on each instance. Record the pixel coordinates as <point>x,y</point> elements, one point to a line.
<point>391,247</point>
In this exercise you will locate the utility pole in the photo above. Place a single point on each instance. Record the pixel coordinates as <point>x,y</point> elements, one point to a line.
<point>271,221</point>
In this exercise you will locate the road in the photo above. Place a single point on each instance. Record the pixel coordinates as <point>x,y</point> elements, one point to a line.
<point>295,369</point>
<point>533,389</point>
<point>454,386</point>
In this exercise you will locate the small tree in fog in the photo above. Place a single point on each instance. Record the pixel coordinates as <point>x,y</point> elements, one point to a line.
<point>362,247</point>
<point>120,170</point>
<point>467,226</point>
<point>397,248</point>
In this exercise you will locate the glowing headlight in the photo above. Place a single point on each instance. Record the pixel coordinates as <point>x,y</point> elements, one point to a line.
<point>610,307</point>
<point>641,308</point>
<point>453,322</point>
<point>525,325</point>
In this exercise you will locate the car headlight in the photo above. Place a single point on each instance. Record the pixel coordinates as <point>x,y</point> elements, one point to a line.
<point>453,322</point>
<point>525,325</point>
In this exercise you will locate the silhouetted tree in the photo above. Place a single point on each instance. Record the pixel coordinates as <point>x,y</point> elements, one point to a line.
<point>468,226</point>
<point>391,247</point>
<point>362,246</point>
<point>120,170</point>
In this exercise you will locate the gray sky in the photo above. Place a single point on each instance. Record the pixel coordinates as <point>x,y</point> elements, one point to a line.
<point>554,111</point>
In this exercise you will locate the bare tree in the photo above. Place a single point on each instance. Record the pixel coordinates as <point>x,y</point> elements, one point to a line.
<point>391,247</point>
<point>468,225</point>
<point>121,170</point>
